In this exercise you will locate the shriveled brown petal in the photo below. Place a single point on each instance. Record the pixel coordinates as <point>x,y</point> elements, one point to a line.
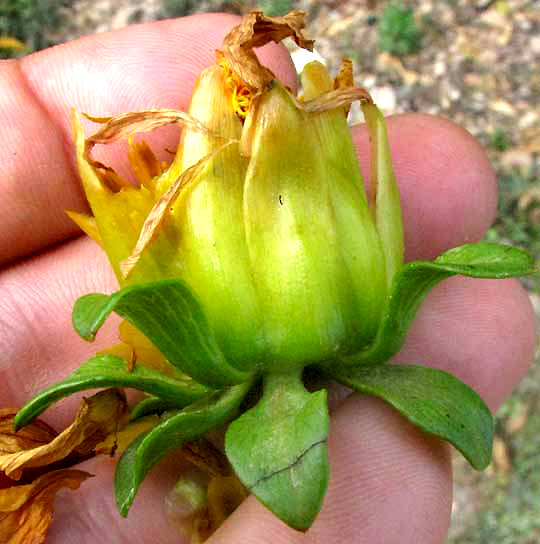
<point>338,98</point>
<point>222,491</point>
<point>159,211</point>
<point>257,30</point>
<point>345,78</point>
<point>144,163</point>
<point>26,511</point>
<point>206,457</point>
<point>127,124</point>
<point>96,119</point>
<point>33,435</point>
<point>225,494</point>
<point>108,176</point>
<point>98,416</point>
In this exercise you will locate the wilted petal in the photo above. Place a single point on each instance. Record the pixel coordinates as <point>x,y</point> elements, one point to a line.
<point>26,511</point>
<point>34,435</point>
<point>98,417</point>
<point>256,30</point>
<point>206,495</point>
<point>145,164</point>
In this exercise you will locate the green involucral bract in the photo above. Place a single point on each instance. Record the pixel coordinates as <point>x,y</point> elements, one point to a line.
<point>254,254</point>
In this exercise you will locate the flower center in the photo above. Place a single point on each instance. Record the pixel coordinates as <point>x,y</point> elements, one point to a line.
<point>241,93</point>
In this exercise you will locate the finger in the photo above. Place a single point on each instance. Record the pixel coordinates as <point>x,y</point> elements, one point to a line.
<point>355,501</point>
<point>38,345</point>
<point>448,188</point>
<point>481,331</point>
<point>463,310</point>
<point>90,514</point>
<point>389,483</point>
<point>141,67</point>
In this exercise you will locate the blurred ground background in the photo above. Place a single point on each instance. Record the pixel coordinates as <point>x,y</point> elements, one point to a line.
<point>475,62</point>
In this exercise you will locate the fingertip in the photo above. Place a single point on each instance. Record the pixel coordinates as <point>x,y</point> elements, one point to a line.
<point>481,331</point>
<point>252,523</point>
<point>390,481</point>
<point>447,185</point>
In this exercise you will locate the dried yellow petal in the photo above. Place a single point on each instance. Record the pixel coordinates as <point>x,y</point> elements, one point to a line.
<point>33,435</point>
<point>98,416</point>
<point>26,511</point>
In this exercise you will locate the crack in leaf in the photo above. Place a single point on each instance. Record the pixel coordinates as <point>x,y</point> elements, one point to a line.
<point>291,465</point>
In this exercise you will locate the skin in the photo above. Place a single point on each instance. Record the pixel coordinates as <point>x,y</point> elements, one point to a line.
<point>390,482</point>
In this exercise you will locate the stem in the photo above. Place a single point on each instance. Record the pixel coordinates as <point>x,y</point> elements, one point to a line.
<point>283,391</point>
<point>274,381</point>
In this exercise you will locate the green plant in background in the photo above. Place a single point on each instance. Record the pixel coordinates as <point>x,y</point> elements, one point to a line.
<point>398,31</point>
<point>508,510</point>
<point>275,8</point>
<point>518,217</point>
<point>30,21</point>
<point>500,140</point>
<point>179,8</point>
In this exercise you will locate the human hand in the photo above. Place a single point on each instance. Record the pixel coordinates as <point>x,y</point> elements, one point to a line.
<point>390,482</point>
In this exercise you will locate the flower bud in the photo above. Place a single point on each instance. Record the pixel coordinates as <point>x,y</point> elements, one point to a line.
<point>263,213</point>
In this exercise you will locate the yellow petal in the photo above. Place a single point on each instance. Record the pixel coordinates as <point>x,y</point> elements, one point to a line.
<point>143,351</point>
<point>87,224</point>
<point>124,351</point>
<point>6,42</point>
<point>315,80</point>
<point>144,163</point>
<point>120,216</point>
